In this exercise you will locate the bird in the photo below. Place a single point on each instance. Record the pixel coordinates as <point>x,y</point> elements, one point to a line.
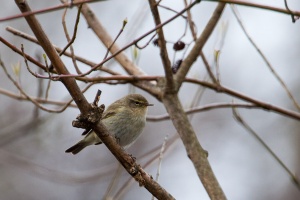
<point>125,119</point>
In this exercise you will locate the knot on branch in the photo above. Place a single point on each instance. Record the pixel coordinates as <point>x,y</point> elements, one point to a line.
<point>86,121</point>
<point>137,174</point>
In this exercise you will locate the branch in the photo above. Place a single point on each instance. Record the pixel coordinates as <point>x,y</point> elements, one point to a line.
<point>49,9</point>
<point>203,109</point>
<point>243,123</point>
<point>116,52</point>
<point>128,66</point>
<point>24,93</point>
<point>103,35</point>
<point>85,108</point>
<point>163,48</point>
<point>194,53</point>
<point>39,100</point>
<point>271,68</point>
<point>54,57</point>
<point>80,59</point>
<point>66,5</point>
<point>71,41</point>
<point>266,106</point>
<point>18,51</point>
<point>180,121</point>
<point>194,150</point>
<point>218,88</point>
<point>255,5</point>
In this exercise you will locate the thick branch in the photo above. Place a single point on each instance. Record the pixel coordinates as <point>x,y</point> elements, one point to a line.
<point>127,161</point>
<point>193,55</point>
<point>70,83</point>
<point>131,166</point>
<point>59,50</point>
<point>193,148</point>
<point>105,38</point>
<point>122,59</point>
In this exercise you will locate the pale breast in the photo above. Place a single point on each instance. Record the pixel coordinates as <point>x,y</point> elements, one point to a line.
<point>125,127</point>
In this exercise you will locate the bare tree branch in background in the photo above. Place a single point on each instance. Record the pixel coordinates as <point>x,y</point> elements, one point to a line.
<point>165,88</point>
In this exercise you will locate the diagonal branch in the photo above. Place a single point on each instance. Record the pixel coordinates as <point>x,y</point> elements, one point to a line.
<point>261,6</point>
<point>59,50</point>
<point>200,42</point>
<point>194,150</point>
<point>120,56</point>
<point>162,46</point>
<point>263,105</point>
<point>105,38</point>
<point>54,57</point>
<point>263,56</point>
<point>85,108</point>
<point>15,49</point>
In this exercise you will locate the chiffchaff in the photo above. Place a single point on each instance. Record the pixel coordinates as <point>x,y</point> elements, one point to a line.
<point>125,119</point>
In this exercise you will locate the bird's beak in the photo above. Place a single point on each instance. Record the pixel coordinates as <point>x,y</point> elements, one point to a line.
<point>149,104</point>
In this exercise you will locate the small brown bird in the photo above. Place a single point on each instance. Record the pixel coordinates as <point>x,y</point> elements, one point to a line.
<point>125,119</point>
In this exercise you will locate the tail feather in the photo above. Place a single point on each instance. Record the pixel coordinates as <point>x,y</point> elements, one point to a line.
<point>76,148</point>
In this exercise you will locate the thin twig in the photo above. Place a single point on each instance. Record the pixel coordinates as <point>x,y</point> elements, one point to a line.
<point>263,105</point>
<point>113,182</point>
<point>142,47</point>
<point>190,21</point>
<point>194,34</point>
<point>160,158</point>
<point>200,42</point>
<point>116,52</point>
<point>125,47</point>
<point>71,41</point>
<point>239,2</point>
<point>114,41</point>
<point>36,74</point>
<point>242,122</point>
<point>255,5</point>
<point>271,68</point>
<point>208,68</point>
<point>15,49</point>
<point>218,47</point>
<point>45,10</point>
<point>204,108</point>
<point>39,100</point>
<point>49,74</point>
<point>80,59</point>
<point>24,93</point>
<point>216,87</point>
<point>101,32</point>
<point>40,89</point>
<point>170,9</point>
<point>86,109</point>
<point>287,7</point>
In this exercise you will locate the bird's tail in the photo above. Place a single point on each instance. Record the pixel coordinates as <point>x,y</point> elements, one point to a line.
<point>77,147</point>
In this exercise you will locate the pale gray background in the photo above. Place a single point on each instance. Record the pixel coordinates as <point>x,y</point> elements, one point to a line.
<point>32,159</point>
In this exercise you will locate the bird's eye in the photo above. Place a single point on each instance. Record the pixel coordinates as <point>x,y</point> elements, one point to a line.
<point>137,103</point>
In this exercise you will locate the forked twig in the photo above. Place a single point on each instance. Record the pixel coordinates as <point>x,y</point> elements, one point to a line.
<point>71,41</point>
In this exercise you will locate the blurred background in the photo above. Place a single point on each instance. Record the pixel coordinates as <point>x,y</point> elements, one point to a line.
<point>32,158</point>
